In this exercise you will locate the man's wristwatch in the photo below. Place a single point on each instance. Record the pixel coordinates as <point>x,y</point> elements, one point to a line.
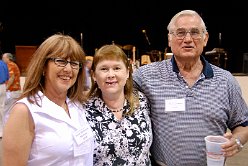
<point>240,146</point>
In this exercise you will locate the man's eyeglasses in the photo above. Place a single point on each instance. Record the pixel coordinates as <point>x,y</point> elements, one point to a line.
<point>62,63</point>
<point>181,33</point>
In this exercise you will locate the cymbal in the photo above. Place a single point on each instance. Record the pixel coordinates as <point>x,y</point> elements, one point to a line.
<point>128,47</point>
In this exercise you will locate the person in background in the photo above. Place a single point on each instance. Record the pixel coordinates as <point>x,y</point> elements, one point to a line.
<point>13,84</point>
<point>4,76</point>
<point>88,64</point>
<point>118,115</point>
<point>47,125</point>
<point>191,98</point>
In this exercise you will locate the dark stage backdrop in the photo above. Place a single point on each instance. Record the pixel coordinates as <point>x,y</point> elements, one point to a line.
<point>103,22</point>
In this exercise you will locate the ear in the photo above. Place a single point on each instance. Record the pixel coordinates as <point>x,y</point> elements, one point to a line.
<point>93,76</point>
<point>44,71</point>
<point>128,73</point>
<point>206,36</point>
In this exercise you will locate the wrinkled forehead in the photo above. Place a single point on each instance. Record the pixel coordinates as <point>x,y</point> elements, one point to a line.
<point>187,21</point>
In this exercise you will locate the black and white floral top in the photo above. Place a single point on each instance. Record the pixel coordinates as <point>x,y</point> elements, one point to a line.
<point>124,142</point>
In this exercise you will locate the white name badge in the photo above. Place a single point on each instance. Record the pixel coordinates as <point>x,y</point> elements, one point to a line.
<point>174,105</point>
<point>83,141</point>
<point>82,134</point>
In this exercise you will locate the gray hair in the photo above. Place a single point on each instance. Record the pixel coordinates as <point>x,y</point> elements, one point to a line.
<point>171,25</point>
<point>10,56</point>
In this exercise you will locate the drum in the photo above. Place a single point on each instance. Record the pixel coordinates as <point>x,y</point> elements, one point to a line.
<point>145,59</point>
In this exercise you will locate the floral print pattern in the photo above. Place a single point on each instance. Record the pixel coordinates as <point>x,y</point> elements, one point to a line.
<point>124,142</point>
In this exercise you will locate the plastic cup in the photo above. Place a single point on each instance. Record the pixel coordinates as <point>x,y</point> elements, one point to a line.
<point>214,154</point>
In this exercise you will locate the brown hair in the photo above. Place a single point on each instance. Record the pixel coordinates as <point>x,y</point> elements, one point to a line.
<point>57,45</point>
<point>113,52</point>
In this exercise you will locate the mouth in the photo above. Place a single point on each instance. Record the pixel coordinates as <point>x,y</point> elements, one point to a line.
<point>65,77</point>
<point>111,82</point>
<point>187,47</point>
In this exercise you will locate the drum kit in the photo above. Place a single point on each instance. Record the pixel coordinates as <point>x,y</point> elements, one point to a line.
<point>148,57</point>
<point>218,57</point>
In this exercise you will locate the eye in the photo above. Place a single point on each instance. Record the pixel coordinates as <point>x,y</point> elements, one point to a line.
<point>181,33</point>
<point>117,68</point>
<point>60,61</point>
<point>104,69</point>
<point>195,32</point>
<point>74,63</point>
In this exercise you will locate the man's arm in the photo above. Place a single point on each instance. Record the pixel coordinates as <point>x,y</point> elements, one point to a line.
<point>10,81</point>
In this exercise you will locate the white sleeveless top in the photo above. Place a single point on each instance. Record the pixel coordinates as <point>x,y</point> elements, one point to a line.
<point>60,140</point>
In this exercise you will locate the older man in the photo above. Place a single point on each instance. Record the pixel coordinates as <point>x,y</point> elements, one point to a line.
<point>191,98</point>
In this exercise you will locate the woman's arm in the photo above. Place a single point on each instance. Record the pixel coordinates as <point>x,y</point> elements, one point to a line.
<point>18,135</point>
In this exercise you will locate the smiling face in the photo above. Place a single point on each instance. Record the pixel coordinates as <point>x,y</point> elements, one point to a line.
<point>59,79</point>
<point>111,76</point>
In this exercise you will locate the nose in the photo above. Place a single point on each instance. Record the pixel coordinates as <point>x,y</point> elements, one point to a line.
<point>68,66</point>
<point>111,74</point>
<point>188,36</point>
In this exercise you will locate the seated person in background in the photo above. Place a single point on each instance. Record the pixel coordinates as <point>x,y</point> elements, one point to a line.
<point>118,115</point>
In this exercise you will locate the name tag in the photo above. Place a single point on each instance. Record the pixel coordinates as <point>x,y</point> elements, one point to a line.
<point>84,141</point>
<point>82,135</point>
<point>174,105</point>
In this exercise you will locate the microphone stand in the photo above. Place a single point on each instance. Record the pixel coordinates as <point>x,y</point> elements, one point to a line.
<point>81,39</point>
<point>147,39</point>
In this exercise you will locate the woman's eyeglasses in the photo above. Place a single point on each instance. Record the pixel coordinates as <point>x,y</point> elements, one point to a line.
<point>62,63</point>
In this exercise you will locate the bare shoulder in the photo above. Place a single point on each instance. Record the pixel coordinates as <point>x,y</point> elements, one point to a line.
<point>20,109</point>
<point>19,114</point>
